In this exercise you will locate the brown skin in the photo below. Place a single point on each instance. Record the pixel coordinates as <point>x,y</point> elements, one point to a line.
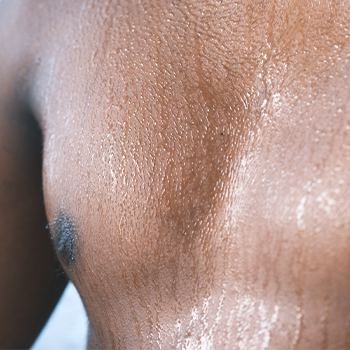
<point>30,275</point>
<point>31,279</point>
<point>202,151</point>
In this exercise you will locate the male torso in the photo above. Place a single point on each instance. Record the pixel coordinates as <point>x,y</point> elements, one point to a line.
<point>196,167</point>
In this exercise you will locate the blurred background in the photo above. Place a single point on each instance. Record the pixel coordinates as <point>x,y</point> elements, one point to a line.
<point>67,326</point>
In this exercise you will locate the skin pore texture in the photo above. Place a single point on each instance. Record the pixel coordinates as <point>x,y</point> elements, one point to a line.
<point>196,166</point>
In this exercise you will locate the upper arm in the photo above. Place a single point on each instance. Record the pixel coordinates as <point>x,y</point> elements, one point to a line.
<point>30,284</point>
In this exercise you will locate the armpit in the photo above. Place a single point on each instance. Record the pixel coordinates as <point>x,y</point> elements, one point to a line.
<point>65,239</point>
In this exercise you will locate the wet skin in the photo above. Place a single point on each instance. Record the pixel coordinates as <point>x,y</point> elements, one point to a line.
<point>196,166</point>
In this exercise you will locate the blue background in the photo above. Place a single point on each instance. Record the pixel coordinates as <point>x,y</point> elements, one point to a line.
<point>67,326</point>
